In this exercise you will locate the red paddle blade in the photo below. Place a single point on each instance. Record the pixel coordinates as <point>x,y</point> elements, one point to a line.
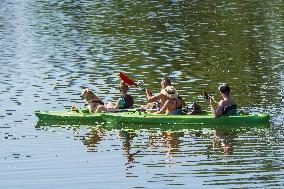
<point>127,80</point>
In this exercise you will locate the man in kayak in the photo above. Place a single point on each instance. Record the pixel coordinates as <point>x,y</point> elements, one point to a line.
<point>124,102</point>
<point>168,100</point>
<point>227,106</point>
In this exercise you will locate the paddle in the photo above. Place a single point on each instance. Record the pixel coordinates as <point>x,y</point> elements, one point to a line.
<point>129,81</point>
<point>126,79</point>
<point>206,96</point>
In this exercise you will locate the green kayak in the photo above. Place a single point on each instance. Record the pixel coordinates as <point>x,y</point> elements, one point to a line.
<point>68,116</point>
<point>82,116</point>
<point>203,118</point>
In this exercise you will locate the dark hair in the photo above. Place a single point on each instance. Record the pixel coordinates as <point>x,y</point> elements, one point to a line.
<point>123,86</point>
<point>224,89</point>
<point>167,81</point>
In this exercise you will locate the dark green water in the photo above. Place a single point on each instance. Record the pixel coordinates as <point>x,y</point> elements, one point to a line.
<point>50,50</point>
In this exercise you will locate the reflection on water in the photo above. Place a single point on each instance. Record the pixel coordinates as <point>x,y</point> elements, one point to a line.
<point>92,139</point>
<point>50,50</point>
<point>224,140</point>
<point>209,156</point>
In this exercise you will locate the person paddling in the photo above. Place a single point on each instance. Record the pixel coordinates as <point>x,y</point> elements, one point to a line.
<point>124,102</point>
<point>168,100</point>
<point>227,106</point>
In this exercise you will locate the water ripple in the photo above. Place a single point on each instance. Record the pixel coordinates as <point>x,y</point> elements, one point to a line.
<point>51,50</point>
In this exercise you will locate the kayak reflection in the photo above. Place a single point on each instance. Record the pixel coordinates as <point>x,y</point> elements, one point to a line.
<point>92,139</point>
<point>126,138</point>
<point>169,141</point>
<point>136,141</point>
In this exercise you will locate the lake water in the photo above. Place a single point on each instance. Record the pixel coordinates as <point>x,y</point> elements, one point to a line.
<point>50,50</point>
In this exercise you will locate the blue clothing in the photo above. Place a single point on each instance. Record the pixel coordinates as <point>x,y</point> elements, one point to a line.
<point>176,112</point>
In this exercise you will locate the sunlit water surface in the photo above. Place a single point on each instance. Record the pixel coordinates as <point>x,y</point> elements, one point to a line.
<point>50,50</point>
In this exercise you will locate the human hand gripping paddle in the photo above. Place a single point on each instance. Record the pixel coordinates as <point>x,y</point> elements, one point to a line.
<point>210,98</point>
<point>206,96</point>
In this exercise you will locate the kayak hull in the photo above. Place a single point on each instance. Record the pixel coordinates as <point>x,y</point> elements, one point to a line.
<point>203,118</point>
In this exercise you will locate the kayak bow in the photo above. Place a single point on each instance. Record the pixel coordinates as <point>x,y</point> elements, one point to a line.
<point>68,116</point>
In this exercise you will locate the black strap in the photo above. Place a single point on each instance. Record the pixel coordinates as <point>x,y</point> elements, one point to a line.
<point>229,108</point>
<point>98,101</point>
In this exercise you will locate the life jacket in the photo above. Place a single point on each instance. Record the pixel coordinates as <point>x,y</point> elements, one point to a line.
<point>126,102</point>
<point>230,110</point>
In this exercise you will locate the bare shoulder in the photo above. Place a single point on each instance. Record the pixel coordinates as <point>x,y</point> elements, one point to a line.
<point>159,95</point>
<point>227,102</point>
<point>222,103</point>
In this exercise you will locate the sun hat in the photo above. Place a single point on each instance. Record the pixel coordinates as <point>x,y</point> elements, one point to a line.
<point>170,91</point>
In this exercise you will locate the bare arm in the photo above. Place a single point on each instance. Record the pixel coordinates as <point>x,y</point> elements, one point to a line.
<point>117,105</point>
<point>213,101</point>
<point>163,109</point>
<point>217,109</point>
<point>152,98</point>
<point>155,98</point>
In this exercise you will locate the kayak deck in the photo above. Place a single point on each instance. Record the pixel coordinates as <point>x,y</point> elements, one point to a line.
<point>69,116</point>
<point>203,118</point>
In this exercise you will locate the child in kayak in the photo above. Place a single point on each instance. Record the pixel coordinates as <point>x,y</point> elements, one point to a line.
<point>124,102</point>
<point>168,100</point>
<point>227,106</point>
